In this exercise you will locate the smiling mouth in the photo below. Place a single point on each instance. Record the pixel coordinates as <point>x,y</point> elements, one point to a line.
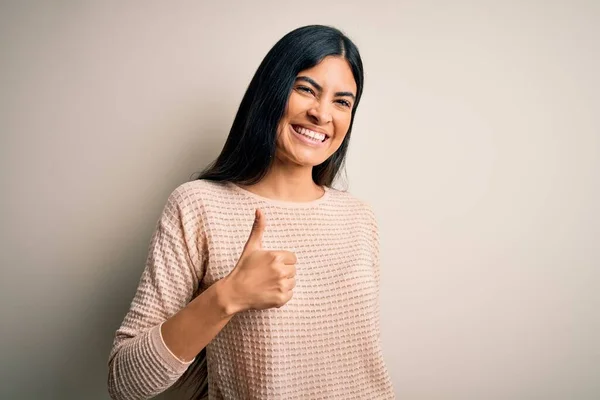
<point>317,137</point>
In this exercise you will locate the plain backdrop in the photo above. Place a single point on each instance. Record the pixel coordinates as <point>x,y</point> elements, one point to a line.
<point>477,143</point>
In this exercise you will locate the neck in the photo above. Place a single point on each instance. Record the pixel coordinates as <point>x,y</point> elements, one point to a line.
<point>287,182</point>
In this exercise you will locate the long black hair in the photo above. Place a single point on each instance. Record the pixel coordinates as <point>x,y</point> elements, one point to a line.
<point>250,147</point>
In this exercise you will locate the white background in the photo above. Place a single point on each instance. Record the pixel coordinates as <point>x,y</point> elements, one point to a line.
<point>477,142</point>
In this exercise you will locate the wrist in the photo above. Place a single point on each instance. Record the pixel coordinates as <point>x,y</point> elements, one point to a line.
<point>225,298</point>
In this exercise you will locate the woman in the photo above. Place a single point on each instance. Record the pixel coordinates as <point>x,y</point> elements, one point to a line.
<point>259,273</point>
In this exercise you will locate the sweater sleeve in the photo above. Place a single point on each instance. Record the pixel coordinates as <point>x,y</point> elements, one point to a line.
<point>375,252</point>
<point>374,242</point>
<point>140,364</point>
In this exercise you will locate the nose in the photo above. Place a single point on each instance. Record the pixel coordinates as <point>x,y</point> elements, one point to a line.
<point>319,114</point>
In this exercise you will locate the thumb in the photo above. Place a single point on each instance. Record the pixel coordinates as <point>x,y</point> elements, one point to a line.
<point>258,227</point>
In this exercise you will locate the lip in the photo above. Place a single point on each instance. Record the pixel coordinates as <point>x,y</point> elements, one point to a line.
<point>307,141</point>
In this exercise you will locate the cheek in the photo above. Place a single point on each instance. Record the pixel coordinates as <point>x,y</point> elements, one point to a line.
<point>341,127</point>
<point>282,141</point>
<point>296,104</point>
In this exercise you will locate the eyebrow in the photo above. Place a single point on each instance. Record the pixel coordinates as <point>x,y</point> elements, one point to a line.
<point>320,89</point>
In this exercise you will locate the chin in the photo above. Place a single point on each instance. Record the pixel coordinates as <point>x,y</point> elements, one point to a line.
<point>303,156</point>
<point>309,161</point>
<point>306,163</point>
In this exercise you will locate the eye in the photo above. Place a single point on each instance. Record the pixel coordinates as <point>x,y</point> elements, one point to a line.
<point>305,89</point>
<point>344,103</point>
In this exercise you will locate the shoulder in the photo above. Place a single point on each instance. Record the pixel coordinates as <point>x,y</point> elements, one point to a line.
<point>191,198</point>
<point>198,191</point>
<point>362,213</point>
<point>353,203</point>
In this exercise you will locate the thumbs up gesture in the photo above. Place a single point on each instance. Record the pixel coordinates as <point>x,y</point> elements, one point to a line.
<point>261,279</point>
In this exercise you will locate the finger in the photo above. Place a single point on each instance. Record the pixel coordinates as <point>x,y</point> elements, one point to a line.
<point>284,298</point>
<point>290,271</point>
<point>289,296</point>
<point>291,283</point>
<point>285,257</point>
<point>254,241</point>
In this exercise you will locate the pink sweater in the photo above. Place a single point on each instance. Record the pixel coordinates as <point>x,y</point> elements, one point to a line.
<point>323,344</point>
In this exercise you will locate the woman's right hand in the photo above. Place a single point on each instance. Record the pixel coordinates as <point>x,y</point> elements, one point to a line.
<point>261,279</point>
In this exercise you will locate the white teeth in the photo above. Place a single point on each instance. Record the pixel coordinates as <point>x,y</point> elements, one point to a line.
<point>307,132</point>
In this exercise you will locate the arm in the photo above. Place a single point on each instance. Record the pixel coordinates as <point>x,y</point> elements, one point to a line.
<point>375,250</point>
<point>163,330</point>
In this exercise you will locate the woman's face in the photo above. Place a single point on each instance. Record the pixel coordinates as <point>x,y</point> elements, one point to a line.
<point>318,113</point>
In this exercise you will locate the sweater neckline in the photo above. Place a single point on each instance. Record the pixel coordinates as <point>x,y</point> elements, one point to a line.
<point>282,203</point>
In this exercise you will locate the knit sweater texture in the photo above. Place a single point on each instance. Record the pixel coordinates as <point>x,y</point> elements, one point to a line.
<point>323,344</point>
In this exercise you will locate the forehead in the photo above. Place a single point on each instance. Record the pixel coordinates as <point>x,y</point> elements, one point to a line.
<point>333,73</point>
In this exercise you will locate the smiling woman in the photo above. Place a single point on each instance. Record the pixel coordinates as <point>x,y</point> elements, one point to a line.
<point>262,280</point>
